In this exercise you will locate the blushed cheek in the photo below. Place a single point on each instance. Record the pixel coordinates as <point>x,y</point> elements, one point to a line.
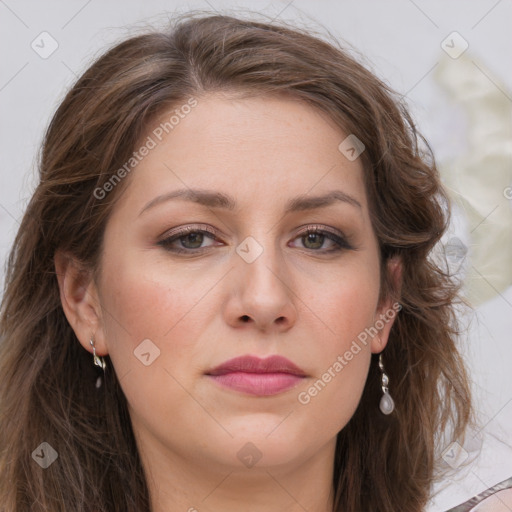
<point>350,312</point>
<point>137,308</point>
<point>343,350</point>
<point>168,307</point>
<point>348,309</point>
<point>148,341</point>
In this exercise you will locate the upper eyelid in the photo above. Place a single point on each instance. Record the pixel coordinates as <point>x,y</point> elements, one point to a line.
<point>179,231</point>
<point>320,227</point>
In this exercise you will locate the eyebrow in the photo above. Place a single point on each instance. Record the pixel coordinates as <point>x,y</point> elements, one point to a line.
<point>213,199</point>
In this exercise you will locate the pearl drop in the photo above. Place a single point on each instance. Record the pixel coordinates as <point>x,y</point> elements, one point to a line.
<point>387,405</point>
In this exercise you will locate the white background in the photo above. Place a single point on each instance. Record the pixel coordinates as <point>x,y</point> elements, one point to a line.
<point>401,42</point>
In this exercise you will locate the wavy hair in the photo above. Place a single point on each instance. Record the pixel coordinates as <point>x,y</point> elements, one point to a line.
<point>47,392</point>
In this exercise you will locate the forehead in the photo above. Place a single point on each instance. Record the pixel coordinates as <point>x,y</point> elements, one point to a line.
<point>257,149</point>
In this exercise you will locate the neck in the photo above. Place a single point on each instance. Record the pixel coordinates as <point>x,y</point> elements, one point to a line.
<point>183,484</point>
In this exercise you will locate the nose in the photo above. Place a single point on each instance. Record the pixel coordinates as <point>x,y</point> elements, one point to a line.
<point>261,294</point>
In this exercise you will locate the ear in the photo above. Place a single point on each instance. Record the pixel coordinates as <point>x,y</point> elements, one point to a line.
<point>80,301</point>
<point>389,307</point>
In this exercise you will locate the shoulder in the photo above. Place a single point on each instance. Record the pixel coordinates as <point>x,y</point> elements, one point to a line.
<point>495,499</point>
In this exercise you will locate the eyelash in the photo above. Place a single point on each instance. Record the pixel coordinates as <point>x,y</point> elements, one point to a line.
<point>341,242</point>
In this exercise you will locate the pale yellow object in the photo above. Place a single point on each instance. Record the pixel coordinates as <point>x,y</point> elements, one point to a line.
<point>480,179</point>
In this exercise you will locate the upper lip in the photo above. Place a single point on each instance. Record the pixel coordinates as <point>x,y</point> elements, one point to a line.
<point>252,364</point>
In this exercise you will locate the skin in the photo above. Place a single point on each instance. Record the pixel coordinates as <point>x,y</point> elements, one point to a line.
<point>301,302</point>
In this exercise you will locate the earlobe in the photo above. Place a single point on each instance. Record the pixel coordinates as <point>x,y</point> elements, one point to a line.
<point>383,322</point>
<point>79,299</point>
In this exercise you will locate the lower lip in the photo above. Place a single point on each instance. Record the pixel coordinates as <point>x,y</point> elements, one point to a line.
<point>261,384</point>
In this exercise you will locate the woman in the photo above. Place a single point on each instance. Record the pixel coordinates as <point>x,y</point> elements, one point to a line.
<point>222,295</point>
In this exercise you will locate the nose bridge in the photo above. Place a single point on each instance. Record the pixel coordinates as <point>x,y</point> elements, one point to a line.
<point>262,281</point>
<point>261,264</point>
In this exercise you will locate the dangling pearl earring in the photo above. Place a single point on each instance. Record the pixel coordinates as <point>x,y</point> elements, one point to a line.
<point>387,405</point>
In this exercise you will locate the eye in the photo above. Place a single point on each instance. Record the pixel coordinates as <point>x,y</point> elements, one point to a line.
<point>191,240</point>
<point>314,238</point>
<point>188,240</point>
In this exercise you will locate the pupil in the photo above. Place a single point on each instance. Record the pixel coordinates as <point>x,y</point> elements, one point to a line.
<point>196,238</point>
<point>310,237</point>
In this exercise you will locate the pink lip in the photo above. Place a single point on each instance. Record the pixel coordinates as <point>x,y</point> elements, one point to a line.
<point>255,376</point>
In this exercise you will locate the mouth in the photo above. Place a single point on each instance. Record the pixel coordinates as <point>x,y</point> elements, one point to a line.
<point>255,376</point>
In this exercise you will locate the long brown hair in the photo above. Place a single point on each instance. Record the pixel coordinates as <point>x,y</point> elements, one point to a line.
<point>47,391</point>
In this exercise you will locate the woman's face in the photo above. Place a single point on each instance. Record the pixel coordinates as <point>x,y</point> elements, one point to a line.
<point>246,177</point>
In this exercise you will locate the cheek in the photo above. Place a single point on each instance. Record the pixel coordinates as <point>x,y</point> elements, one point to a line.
<point>342,348</point>
<point>156,303</point>
<point>149,298</point>
<point>346,304</point>
<point>152,327</point>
